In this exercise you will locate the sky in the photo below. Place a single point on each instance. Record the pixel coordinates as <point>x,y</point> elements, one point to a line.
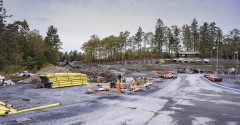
<point>77,20</point>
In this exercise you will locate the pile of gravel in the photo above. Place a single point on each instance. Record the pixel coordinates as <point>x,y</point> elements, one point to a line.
<point>36,81</point>
<point>53,69</point>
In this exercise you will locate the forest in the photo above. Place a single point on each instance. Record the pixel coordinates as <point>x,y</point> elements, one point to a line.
<point>22,48</point>
<point>164,42</point>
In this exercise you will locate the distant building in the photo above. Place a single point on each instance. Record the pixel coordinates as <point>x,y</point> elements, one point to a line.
<point>189,54</point>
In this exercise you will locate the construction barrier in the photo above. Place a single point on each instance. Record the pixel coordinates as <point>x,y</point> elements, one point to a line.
<point>59,80</point>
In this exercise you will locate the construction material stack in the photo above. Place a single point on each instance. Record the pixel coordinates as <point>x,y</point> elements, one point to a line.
<point>59,80</point>
<point>213,78</point>
<point>164,74</point>
<point>6,109</point>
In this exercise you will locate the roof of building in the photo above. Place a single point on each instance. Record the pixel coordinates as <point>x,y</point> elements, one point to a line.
<point>196,52</point>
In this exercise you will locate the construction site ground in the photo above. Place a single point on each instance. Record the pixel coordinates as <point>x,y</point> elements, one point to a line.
<point>188,99</point>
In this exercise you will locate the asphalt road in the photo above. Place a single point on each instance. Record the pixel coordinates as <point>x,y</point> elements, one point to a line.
<point>187,100</point>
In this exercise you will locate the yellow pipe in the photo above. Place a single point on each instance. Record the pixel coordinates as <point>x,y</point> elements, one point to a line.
<point>6,105</point>
<point>13,110</point>
<point>2,103</point>
<point>36,108</point>
<point>9,106</point>
<point>3,113</point>
<point>4,108</point>
<point>7,109</point>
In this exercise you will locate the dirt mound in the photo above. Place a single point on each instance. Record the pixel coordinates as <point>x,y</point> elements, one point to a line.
<point>36,81</point>
<point>53,69</point>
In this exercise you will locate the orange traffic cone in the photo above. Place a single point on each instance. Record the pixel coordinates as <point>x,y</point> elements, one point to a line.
<point>118,86</point>
<point>89,89</point>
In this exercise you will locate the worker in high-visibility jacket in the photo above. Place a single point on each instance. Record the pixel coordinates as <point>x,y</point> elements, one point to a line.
<point>133,84</point>
<point>143,80</point>
<point>119,84</point>
<point>98,81</point>
<point>139,80</point>
<point>140,86</point>
<point>89,88</point>
<point>122,86</point>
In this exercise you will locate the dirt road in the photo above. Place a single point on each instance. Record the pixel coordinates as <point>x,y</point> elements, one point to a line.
<point>187,100</point>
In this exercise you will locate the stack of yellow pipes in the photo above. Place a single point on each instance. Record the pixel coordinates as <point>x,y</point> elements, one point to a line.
<point>6,109</point>
<point>59,80</point>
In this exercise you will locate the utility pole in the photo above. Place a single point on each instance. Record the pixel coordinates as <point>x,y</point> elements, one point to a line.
<point>237,63</point>
<point>217,60</point>
<point>237,66</point>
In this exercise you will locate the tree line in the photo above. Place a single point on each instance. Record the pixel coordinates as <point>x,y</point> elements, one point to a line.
<point>164,42</point>
<point>22,48</point>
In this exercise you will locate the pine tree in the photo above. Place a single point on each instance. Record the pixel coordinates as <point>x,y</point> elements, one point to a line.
<point>195,35</point>
<point>205,40</point>
<point>159,35</point>
<point>187,38</point>
<point>170,41</point>
<point>53,43</point>
<point>52,39</point>
<point>3,44</point>
<point>176,33</point>
<point>138,40</point>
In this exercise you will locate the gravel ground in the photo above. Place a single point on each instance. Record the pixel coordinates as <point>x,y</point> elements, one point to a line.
<point>189,99</point>
<point>27,96</point>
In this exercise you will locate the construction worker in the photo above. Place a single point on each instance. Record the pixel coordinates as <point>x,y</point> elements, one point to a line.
<point>119,83</point>
<point>89,89</point>
<point>139,80</point>
<point>133,84</point>
<point>98,81</point>
<point>89,79</point>
<point>122,86</point>
<point>140,86</point>
<point>143,80</point>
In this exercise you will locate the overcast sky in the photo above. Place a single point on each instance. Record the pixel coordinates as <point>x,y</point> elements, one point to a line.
<point>77,20</point>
